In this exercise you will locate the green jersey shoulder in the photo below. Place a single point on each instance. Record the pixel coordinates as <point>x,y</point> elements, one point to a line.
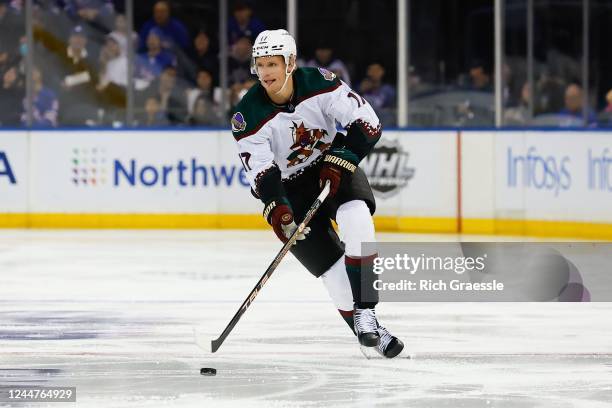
<point>314,81</point>
<point>251,112</point>
<point>256,108</point>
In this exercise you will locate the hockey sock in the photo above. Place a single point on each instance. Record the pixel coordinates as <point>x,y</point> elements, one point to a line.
<point>347,315</point>
<point>360,271</point>
<point>356,227</point>
<point>338,286</point>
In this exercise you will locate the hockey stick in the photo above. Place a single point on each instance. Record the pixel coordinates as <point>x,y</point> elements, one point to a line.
<point>215,344</point>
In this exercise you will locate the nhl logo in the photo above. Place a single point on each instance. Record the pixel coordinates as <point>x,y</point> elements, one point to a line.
<point>387,168</point>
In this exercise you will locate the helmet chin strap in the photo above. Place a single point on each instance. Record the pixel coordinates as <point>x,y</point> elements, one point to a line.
<point>287,76</point>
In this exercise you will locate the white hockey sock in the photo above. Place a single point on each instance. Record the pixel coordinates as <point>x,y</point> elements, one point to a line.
<point>338,286</point>
<point>356,226</point>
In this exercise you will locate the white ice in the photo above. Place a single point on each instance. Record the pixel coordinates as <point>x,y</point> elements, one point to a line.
<point>118,315</point>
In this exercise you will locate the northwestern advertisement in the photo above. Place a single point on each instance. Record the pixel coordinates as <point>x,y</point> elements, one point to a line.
<point>141,172</point>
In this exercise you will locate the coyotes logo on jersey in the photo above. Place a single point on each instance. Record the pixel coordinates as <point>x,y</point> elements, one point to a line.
<point>305,142</point>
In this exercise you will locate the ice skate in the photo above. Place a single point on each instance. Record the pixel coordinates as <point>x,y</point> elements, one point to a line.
<point>389,346</point>
<point>366,327</point>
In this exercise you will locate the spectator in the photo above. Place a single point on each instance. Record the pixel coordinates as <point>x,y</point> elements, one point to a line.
<point>416,82</point>
<point>173,33</point>
<point>549,94</point>
<point>98,14</point>
<point>239,64</point>
<point>605,117</point>
<point>243,24</point>
<point>202,57</point>
<point>608,108</point>
<point>379,94</point>
<point>45,103</point>
<point>113,81</point>
<point>151,63</point>
<point>511,95</point>
<point>153,114</point>
<point>113,63</point>
<point>120,33</point>
<point>204,113</point>
<point>574,105</point>
<point>11,28</point>
<point>324,58</point>
<point>77,46</point>
<point>78,81</point>
<point>519,115</point>
<point>12,90</point>
<point>203,89</point>
<point>480,77</point>
<point>171,99</point>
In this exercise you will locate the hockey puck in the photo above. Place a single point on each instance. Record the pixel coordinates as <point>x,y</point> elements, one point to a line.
<point>208,371</point>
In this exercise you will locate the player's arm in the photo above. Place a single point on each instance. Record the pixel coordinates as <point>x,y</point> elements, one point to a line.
<point>265,179</point>
<point>363,127</point>
<point>356,115</point>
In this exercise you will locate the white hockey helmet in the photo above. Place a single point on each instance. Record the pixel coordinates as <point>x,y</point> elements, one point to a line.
<point>273,42</point>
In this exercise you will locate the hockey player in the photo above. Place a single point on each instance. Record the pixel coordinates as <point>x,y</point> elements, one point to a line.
<point>285,128</point>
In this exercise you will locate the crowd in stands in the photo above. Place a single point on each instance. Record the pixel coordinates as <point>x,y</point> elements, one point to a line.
<point>556,100</point>
<point>80,74</point>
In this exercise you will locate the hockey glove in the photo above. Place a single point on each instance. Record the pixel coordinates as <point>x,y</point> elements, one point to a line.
<point>339,164</point>
<point>280,217</point>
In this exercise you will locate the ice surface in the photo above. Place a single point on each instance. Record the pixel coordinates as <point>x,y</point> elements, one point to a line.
<point>118,314</point>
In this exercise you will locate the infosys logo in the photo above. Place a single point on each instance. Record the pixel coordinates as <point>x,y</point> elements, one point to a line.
<point>387,168</point>
<point>94,167</point>
<point>6,171</point>
<point>538,171</point>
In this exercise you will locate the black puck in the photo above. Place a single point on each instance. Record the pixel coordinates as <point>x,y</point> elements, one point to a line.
<point>208,371</point>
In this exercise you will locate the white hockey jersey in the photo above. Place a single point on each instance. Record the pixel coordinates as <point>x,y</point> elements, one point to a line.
<point>294,136</point>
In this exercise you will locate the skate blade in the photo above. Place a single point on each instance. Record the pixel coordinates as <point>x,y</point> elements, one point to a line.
<point>370,353</point>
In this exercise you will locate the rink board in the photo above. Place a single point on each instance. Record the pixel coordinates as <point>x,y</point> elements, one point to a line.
<point>520,182</point>
<point>14,178</point>
<point>137,173</point>
<point>537,183</point>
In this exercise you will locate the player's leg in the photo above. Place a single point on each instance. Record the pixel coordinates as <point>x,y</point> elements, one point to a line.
<point>321,248</point>
<point>352,208</point>
<point>354,218</point>
<point>338,286</point>
<point>356,226</point>
<point>322,252</point>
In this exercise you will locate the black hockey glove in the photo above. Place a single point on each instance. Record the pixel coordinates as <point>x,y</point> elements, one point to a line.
<point>339,164</point>
<point>279,215</point>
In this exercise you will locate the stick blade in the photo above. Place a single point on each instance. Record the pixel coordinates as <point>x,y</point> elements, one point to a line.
<point>214,345</point>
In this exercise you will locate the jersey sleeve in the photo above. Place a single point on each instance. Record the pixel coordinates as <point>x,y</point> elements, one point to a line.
<point>256,155</point>
<point>356,115</point>
<point>262,172</point>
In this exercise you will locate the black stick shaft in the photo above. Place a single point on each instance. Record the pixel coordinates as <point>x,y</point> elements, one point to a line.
<point>215,344</point>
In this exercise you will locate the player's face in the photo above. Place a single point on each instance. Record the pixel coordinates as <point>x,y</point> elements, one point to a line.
<point>271,72</point>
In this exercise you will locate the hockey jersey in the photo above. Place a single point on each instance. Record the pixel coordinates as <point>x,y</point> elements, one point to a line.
<point>293,136</point>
